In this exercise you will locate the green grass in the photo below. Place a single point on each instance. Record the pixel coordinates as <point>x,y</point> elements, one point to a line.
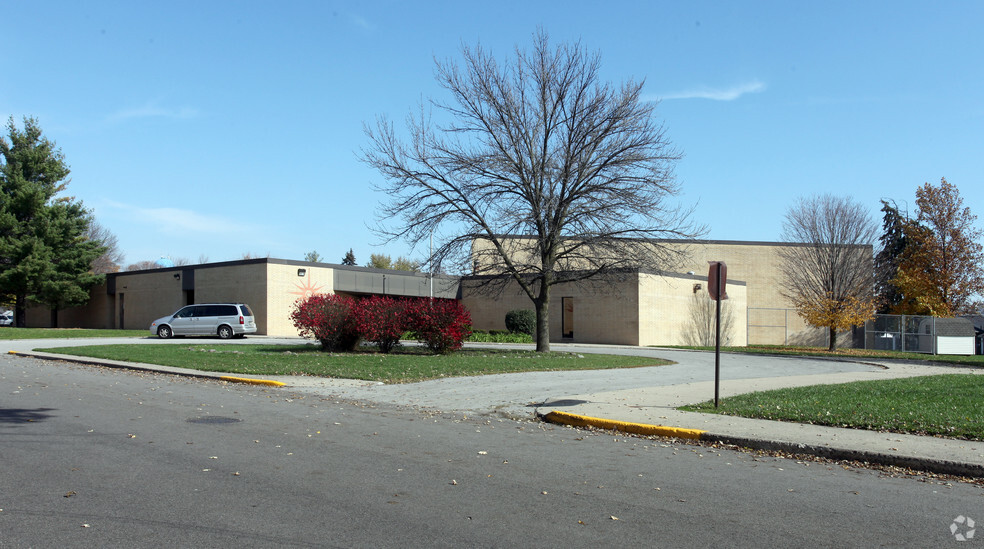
<point>944,405</point>
<point>498,336</point>
<point>968,360</point>
<point>407,364</point>
<point>7,332</point>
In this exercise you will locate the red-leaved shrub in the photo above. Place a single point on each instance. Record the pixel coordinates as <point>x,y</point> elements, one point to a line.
<point>330,319</point>
<point>339,322</point>
<point>441,324</point>
<point>382,320</point>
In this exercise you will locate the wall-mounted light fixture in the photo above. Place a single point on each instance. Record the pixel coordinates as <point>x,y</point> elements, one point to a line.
<point>696,288</point>
<point>301,272</point>
<point>177,276</point>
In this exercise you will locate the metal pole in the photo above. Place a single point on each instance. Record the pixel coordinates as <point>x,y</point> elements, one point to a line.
<point>431,259</point>
<point>717,341</point>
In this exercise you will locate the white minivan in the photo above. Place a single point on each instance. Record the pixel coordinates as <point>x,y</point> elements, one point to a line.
<point>226,320</point>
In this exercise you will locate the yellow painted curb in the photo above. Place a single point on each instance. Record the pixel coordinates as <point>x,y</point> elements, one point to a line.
<point>253,381</point>
<point>11,352</point>
<point>635,428</point>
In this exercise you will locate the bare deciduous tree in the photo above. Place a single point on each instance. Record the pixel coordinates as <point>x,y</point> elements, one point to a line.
<point>537,146</point>
<point>827,270</point>
<point>142,266</point>
<point>111,260</point>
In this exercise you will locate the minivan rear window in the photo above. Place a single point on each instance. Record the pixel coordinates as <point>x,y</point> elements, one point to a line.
<point>217,310</point>
<point>246,310</point>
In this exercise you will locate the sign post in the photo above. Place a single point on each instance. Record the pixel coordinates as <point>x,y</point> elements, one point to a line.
<point>717,280</point>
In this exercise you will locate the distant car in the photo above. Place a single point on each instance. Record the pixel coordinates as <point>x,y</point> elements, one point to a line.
<point>7,318</point>
<point>226,320</point>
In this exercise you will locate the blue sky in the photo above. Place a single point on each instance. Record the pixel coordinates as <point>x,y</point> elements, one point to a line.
<point>214,129</point>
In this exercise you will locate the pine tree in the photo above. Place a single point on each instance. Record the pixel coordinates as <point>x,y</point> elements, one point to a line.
<point>893,245</point>
<point>44,255</point>
<point>349,258</point>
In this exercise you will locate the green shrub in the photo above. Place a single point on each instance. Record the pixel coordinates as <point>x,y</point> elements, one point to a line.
<point>521,321</point>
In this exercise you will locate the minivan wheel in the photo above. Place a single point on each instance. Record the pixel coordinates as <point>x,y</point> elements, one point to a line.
<point>164,332</point>
<point>225,332</point>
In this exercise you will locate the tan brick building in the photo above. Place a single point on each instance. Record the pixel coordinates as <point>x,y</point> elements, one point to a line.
<point>631,308</point>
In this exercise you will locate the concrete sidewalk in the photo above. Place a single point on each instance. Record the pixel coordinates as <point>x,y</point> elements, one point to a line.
<point>639,398</point>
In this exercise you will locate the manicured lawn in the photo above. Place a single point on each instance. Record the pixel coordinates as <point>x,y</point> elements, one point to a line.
<point>7,332</point>
<point>944,405</point>
<point>969,360</point>
<point>408,364</point>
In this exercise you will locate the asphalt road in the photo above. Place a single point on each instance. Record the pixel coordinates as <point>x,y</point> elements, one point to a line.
<point>113,458</point>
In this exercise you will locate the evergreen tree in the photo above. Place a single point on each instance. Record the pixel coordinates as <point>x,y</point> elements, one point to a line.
<point>349,258</point>
<point>44,255</point>
<point>887,261</point>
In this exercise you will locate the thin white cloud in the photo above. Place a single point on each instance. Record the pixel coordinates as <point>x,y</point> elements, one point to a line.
<point>153,110</point>
<point>361,22</point>
<point>716,94</point>
<point>181,222</point>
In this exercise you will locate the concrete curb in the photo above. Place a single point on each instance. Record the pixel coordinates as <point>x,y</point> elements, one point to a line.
<point>146,368</point>
<point>635,428</point>
<point>938,466</point>
<point>269,382</point>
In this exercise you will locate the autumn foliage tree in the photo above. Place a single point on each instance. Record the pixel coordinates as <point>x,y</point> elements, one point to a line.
<point>826,270</point>
<point>939,270</point>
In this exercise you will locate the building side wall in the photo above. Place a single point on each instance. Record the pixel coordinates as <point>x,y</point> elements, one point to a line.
<point>285,287</point>
<point>142,297</point>
<point>96,314</point>
<point>235,284</point>
<point>757,264</point>
<point>602,312</point>
<point>671,312</point>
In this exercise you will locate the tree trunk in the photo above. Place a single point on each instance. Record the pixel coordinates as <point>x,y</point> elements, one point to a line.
<point>833,339</point>
<point>542,305</point>
<point>20,311</point>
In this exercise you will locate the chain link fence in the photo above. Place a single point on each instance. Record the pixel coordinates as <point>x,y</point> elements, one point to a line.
<point>903,333</point>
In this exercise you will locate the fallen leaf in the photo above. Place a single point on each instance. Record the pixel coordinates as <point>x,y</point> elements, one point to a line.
<point>70,494</point>
<point>614,517</point>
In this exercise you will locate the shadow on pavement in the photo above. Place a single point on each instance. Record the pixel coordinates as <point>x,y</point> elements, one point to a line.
<point>21,415</point>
